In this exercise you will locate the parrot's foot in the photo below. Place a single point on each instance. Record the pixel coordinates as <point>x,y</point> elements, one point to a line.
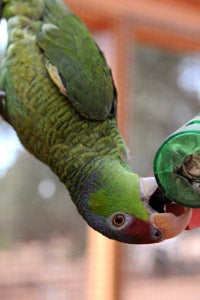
<point>2,95</point>
<point>2,105</point>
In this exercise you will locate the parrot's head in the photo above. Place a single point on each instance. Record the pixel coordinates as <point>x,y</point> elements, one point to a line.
<point>122,206</point>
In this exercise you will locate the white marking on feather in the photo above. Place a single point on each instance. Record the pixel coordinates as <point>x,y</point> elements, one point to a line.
<point>48,27</point>
<point>53,72</point>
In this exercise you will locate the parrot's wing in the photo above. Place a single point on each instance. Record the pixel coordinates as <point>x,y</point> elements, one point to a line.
<point>75,63</point>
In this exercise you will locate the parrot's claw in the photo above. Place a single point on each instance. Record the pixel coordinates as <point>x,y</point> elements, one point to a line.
<point>2,105</point>
<point>170,218</point>
<point>2,95</point>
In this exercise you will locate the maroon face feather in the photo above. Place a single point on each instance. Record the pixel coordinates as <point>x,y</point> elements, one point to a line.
<point>141,232</point>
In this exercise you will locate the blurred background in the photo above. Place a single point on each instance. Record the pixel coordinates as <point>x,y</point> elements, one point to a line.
<point>46,252</point>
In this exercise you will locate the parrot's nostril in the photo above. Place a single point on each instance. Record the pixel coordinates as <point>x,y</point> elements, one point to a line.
<point>156,234</point>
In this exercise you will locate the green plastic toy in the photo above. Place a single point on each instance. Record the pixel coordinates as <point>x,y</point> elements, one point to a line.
<point>177,165</point>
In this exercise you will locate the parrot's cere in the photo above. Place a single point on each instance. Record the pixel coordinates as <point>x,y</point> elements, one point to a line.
<point>57,92</point>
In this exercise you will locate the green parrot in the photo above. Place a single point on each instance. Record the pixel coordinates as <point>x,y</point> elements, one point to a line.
<point>58,93</point>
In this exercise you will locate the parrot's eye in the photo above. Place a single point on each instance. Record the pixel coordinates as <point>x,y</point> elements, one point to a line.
<point>118,220</point>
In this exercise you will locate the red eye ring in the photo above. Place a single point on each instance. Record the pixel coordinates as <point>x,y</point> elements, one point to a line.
<point>118,220</point>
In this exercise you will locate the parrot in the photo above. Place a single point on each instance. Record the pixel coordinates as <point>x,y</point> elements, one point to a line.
<point>58,93</point>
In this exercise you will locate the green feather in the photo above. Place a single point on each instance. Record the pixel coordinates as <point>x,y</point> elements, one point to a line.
<point>117,185</point>
<point>82,67</point>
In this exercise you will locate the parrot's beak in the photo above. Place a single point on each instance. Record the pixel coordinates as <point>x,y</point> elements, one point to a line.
<point>170,224</point>
<point>173,218</point>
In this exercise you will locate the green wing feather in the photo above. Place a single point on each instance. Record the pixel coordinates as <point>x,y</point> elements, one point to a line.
<point>80,65</point>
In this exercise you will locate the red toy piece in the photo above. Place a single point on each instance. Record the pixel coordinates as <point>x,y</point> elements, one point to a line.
<point>178,210</point>
<point>195,220</point>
